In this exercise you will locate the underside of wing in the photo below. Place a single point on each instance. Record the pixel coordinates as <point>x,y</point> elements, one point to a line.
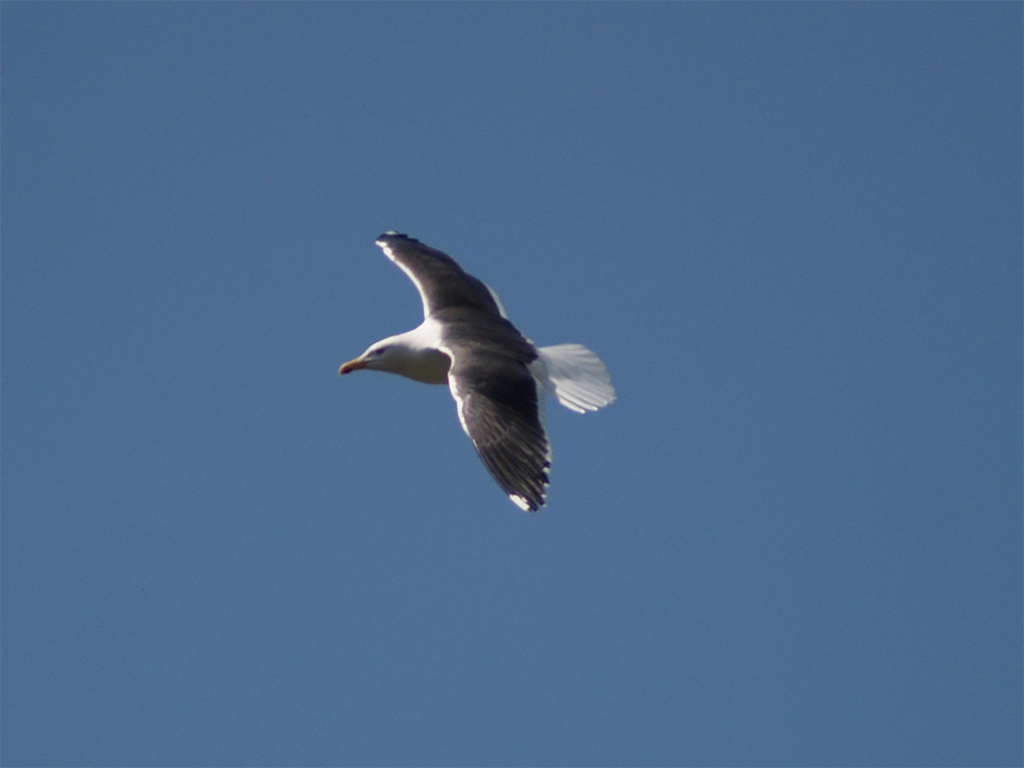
<point>439,279</point>
<point>500,409</point>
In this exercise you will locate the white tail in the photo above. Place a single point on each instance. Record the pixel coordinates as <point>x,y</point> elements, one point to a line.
<point>576,376</point>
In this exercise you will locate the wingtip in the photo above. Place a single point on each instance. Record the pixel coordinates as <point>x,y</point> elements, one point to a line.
<point>526,505</point>
<point>393,235</point>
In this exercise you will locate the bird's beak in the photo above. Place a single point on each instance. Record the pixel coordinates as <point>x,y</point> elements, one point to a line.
<point>352,365</point>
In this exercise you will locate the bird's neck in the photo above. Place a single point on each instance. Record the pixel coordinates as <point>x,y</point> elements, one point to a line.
<point>418,357</point>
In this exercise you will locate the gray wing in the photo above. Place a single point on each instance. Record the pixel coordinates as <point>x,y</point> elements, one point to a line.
<point>437,276</point>
<point>501,410</point>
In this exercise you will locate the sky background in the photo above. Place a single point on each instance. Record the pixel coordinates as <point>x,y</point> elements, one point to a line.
<point>792,231</point>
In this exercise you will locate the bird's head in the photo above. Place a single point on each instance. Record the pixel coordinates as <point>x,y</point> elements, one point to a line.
<point>406,354</point>
<point>380,356</point>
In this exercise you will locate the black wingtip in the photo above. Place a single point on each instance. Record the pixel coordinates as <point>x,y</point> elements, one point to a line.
<point>393,235</point>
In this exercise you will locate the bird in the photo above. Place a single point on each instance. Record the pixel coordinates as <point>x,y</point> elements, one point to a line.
<point>496,375</point>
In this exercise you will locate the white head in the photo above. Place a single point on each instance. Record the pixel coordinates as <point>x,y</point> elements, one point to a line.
<point>406,355</point>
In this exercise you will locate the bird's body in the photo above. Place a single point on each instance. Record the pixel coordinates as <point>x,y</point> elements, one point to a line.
<point>496,375</point>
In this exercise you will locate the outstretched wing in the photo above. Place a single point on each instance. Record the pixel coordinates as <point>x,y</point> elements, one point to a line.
<point>501,409</point>
<point>438,277</point>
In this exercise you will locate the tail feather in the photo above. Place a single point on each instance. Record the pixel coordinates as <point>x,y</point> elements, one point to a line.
<point>576,376</point>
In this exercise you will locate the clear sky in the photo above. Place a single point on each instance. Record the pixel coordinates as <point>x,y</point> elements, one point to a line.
<point>792,231</point>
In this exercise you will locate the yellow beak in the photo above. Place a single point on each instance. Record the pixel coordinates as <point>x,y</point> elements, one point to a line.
<point>352,365</point>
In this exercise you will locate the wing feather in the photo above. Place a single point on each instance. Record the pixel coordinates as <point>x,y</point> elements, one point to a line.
<point>439,279</point>
<point>500,409</point>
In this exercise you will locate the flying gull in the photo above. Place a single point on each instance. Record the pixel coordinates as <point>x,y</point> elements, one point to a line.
<point>496,375</point>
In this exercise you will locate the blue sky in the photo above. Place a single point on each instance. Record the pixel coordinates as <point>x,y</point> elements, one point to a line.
<point>792,231</point>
